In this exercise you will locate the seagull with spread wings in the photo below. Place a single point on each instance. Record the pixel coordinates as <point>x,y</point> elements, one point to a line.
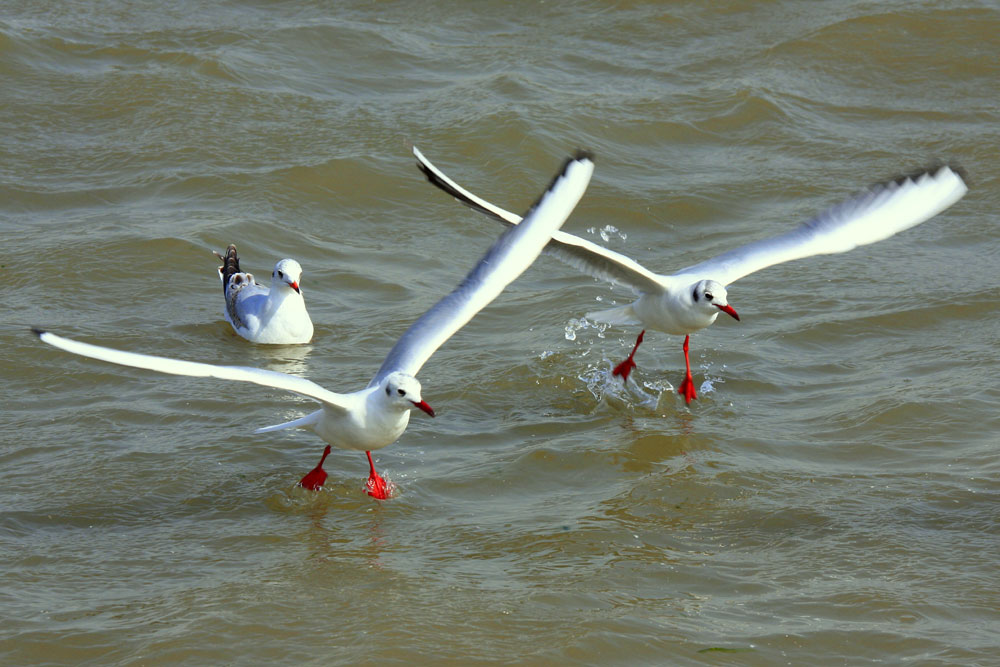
<point>692,298</point>
<point>376,416</point>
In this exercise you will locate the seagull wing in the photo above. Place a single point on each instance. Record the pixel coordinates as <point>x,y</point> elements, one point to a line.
<point>506,259</point>
<point>874,215</point>
<point>260,376</point>
<point>579,253</point>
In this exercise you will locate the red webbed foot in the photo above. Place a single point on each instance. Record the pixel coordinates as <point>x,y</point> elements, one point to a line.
<point>316,477</point>
<point>626,367</point>
<point>687,389</point>
<point>377,487</point>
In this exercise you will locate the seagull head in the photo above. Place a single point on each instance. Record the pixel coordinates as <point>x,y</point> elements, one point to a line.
<point>287,272</point>
<point>404,391</point>
<point>710,297</point>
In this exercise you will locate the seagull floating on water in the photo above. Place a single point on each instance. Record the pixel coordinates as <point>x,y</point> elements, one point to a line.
<point>692,298</point>
<point>275,316</point>
<point>377,415</point>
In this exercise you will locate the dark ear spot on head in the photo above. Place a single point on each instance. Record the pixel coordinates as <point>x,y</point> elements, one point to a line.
<point>387,390</point>
<point>694,294</point>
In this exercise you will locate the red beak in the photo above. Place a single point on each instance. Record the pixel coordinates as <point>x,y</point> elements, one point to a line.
<point>295,286</point>
<point>728,310</point>
<point>423,406</point>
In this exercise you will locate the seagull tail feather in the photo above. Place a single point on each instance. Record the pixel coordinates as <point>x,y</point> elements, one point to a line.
<point>619,315</point>
<point>303,422</point>
<point>230,265</point>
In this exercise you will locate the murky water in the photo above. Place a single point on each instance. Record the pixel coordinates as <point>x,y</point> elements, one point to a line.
<point>832,498</point>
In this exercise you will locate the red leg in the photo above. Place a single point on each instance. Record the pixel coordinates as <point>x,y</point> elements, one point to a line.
<point>377,487</point>
<point>687,386</point>
<point>625,367</point>
<point>315,478</point>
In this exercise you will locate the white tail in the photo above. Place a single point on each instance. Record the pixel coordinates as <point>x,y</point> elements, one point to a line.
<point>619,315</point>
<point>304,422</point>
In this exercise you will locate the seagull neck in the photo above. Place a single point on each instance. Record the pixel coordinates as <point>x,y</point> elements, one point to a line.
<point>280,294</point>
<point>390,414</point>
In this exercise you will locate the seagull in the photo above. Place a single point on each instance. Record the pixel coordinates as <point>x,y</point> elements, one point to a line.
<point>691,299</point>
<point>275,316</point>
<point>376,416</point>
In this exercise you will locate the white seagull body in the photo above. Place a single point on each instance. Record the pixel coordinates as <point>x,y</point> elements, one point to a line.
<point>692,298</point>
<point>377,415</point>
<point>275,316</point>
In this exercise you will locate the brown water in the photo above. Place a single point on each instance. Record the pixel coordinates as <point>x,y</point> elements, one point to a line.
<point>832,498</point>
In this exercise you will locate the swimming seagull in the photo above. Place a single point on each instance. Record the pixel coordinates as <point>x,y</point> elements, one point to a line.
<point>274,316</point>
<point>692,298</point>
<point>377,415</point>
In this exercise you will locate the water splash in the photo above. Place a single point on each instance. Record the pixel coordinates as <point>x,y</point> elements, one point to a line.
<point>607,231</point>
<point>390,487</point>
<point>708,385</point>
<point>582,324</point>
<point>604,386</point>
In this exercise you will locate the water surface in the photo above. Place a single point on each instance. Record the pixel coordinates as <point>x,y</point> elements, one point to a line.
<point>830,499</point>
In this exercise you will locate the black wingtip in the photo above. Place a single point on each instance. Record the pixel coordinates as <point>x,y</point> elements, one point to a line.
<point>579,156</point>
<point>933,168</point>
<point>960,170</point>
<point>436,181</point>
<point>38,332</point>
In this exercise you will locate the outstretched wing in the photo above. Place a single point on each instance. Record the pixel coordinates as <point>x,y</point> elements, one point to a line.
<point>260,376</point>
<point>874,215</point>
<point>579,253</point>
<point>506,259</point>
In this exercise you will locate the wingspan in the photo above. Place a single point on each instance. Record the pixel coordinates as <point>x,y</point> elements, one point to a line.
<point>579,253</point>
<point>507,258</point>
<point>871,216</point>
<point>260,376</point>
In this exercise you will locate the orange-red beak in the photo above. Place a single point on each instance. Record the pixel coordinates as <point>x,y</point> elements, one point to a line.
<point>295,286</point>
<point>728,310</point>
<point>423,406</point>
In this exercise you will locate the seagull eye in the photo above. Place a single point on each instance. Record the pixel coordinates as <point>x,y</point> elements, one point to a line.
<point>401,392</point>
<point>708,295</point>
<point>280,274</point>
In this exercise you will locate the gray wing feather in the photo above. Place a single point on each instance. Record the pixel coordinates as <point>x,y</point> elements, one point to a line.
<point>874,215</point>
